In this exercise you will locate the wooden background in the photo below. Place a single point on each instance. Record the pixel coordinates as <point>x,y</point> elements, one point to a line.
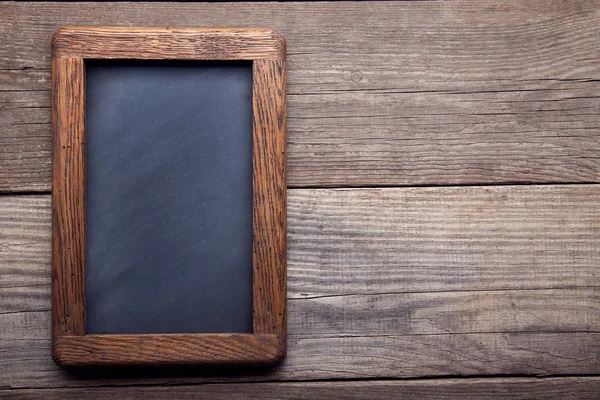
<point>444,212</point>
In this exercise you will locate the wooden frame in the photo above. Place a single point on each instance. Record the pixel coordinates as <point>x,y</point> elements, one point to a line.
<point>71,347</point>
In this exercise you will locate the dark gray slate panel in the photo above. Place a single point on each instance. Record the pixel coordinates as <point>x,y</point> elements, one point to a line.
<point>169,197</point>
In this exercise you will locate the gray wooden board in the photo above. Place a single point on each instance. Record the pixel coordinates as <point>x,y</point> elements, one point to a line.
<point>168,197</point>
<point>581,388</point>
<point>379,93</point>
<point>462,281</point>
<point>395,283</point>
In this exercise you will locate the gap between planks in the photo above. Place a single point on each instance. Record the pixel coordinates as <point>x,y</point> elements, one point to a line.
<point>324,187</point>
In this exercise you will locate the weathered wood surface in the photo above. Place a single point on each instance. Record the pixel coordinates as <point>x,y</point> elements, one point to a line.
<point>396,283</point>
<point>383,283</point>
<point>580,388</point>
<point>391,93</point>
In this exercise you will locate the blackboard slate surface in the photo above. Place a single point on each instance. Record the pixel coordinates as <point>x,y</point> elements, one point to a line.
<point>169,197</point>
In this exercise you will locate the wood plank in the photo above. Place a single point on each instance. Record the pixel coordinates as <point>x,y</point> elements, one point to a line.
<point>465,389</point>
<point>27,362</point>
<point>380,93</point>
<point>396,240</point>
<point>391,283</point>
<point>549,311</point>
<point>373,241</point>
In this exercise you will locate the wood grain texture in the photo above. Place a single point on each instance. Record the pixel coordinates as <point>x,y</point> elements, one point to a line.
<point>71,347</point>
<point>355,241</point>
<point>581,388</point>
<point>26,362</point>
<point>166,350</point>
<point>394,283</point>
<point>25,250</point>
<point>460,281</point>
<point>269,199</point>
<point>68,198</point>
<point>380,93</point>
<point>534,342</point>
<point>25,139</point>
<point>168,43</point>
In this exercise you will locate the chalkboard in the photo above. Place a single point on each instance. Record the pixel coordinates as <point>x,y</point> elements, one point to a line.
<point>169,197</point>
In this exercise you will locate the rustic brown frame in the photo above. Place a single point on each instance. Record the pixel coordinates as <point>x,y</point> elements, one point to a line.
<point>71,347</point>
